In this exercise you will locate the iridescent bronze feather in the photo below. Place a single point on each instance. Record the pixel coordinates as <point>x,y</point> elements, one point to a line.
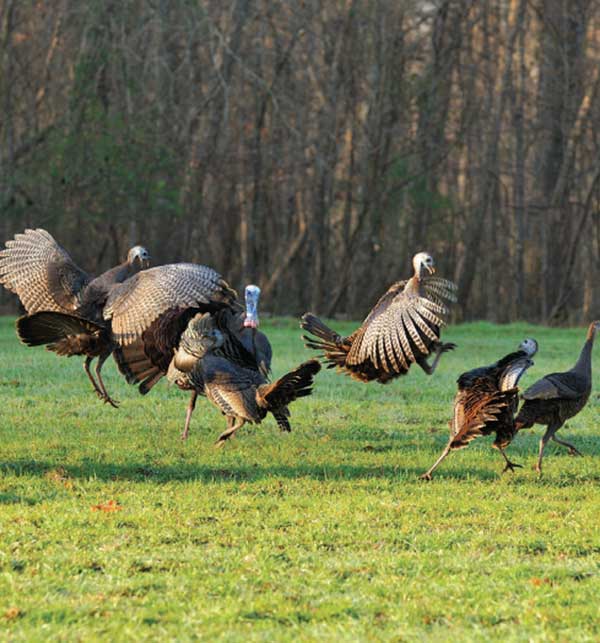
<point>486,402</point>
<point>403,328</point>
<point>64,303</point>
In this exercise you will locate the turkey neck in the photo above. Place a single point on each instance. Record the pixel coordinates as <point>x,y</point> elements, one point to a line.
<point>413,285</point>
<point>119,273</point>
<point>584,363</point>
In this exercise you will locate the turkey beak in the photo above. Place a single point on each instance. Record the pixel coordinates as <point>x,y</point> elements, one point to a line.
<point>431,269</point>
<point>146,261</point>
<point>252,294</point>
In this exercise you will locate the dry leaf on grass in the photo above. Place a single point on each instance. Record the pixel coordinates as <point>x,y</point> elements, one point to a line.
<point>12,613</point>
<point>107,507</point>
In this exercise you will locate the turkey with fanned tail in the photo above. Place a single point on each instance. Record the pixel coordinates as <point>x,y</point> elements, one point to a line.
<point>166,345</point>
<point>486,402</point>
<point>64,304</point>
<point>217,366</point>
<point>403,328</point>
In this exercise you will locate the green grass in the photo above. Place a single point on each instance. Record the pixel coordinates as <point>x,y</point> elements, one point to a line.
<point>323,534</point>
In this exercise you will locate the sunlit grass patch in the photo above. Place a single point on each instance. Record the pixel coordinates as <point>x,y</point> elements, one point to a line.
<point>113,528</point>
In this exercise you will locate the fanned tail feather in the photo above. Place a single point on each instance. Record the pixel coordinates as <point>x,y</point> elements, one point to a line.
<point>276,396</point>
<point>334,348</point>
<point>59,332</point>
<point>135,365</point>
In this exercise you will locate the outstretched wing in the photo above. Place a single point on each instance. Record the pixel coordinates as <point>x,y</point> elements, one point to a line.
<point>403,325</point>
<point>41,273</point>
<point>514,371</point>
<point>135,304</point>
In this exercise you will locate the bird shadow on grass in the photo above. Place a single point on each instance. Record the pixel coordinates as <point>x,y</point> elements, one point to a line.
<point>186,472</point>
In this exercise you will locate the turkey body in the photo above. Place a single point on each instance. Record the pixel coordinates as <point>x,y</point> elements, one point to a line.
<point>166,344</point>
<point>403,328</point>
<point>219,367</point>
<point>555,398</point>
<point>64,304</point>
<point>486,401</point>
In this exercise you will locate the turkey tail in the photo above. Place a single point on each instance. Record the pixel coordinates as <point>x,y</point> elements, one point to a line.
<point>297,383</point>
<point>136,366</point>
<point>334,348</point>
<point>281,416</point>
<point>474,419</point>
<point>62,333</point>
<point>315,326</point>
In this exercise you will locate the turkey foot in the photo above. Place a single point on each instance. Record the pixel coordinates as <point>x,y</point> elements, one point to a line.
<point>511,466</point>
<point>448,346</point>
<point>572,449</point>
<point>233,425</point>
<point>107,399</point>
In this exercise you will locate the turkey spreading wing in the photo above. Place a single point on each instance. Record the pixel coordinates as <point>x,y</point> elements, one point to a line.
<point>135,304</point>
<point>402,325</point>
<point>41,272</point>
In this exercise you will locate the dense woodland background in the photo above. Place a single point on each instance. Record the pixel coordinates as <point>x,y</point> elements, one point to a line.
<point>312,146</point>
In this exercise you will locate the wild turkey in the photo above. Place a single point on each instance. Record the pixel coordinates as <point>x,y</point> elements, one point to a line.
<point>55,292</point>
<point>486,402</point>
<point>232,381</point>
<point>403,328</point>
<point>158,350</point>
<point>559,396</point>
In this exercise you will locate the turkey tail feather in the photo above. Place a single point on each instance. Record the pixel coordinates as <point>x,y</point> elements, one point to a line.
<point>333,346</point>
<point>135,365</point>
<point>54,329</point>
<point>297,383</point>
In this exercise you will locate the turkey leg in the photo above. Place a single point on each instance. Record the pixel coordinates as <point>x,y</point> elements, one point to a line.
<point>440,349</point>
<point>188,415</point>
<point>550,431</point>
<point>427,475</point>
<point>105,396</point>
<point>86,367</point>
<point>572,450</point>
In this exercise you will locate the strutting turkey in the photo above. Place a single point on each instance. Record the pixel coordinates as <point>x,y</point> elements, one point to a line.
<point>403,328</point>
<point>555,398</point>
<point>231,380</point>
<point>64,304</point>
<point>163,349</point>
<point>486,402</point>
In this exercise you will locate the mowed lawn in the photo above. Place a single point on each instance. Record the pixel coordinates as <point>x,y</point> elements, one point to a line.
<point>112,528</point>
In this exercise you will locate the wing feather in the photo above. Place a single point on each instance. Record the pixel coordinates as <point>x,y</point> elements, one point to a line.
<point>41,273</point>
<point>557,386</point>
<point>134,305</point>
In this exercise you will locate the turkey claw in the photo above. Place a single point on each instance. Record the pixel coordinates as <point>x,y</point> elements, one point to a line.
<point>108,400</point>
<point>449,346</point>
<point>511,466</point>
<point>113,403</point>
<point>226,435</point>
<point>426,476</point>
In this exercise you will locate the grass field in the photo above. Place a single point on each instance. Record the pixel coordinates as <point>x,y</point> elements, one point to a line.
<point>112,528</point>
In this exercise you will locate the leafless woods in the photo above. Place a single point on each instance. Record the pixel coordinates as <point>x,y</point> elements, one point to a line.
<point>313,146</point>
